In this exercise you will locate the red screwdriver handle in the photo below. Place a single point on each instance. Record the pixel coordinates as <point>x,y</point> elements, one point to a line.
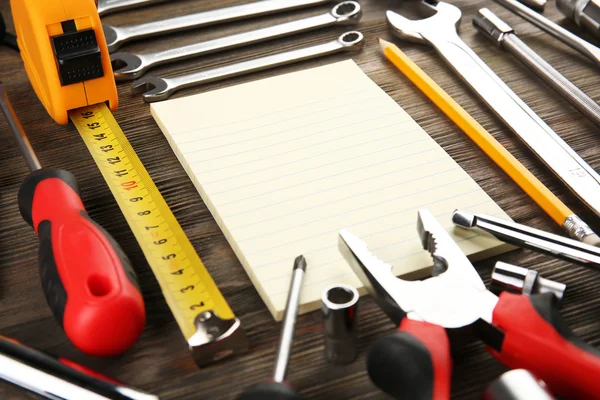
<point>87,279</point>
<point>536,338</point>
<point>413,363</point>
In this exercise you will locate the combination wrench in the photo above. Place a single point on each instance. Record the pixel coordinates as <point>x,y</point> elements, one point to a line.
<point>131,66</point>
<point>157,89</point>
<point>117,36</point>
<point>111,6</point>
<point>440,31</point>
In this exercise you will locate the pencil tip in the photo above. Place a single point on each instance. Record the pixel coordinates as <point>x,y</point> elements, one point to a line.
<point>383,44</point>
<point>300,263</point>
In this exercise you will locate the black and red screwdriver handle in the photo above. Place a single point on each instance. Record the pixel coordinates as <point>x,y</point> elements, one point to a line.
<point>413,363</point>
<point>536,338</point>
<point>87,279</point>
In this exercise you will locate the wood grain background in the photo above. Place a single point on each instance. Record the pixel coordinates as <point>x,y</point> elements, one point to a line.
<point>160,362</point>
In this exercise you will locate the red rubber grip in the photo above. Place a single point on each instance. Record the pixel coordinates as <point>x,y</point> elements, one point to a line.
<point>537,339</point>
<point>436,340</point>
<point>87,279</point>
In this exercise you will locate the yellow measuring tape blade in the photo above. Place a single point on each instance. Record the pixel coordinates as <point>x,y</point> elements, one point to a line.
<point>190,291</point>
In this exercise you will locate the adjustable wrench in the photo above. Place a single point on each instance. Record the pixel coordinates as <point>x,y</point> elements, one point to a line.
<point>131,66</point>
<point>116,36</point>
<point>440,32</point>
<point>110,6</point>
<point>157,89</point>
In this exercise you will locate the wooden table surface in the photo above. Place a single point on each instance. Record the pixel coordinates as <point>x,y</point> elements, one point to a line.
<point>160,362</point>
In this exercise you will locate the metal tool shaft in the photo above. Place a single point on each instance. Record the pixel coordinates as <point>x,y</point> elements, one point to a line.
<point>587,49</point>
<point>535,4</point>
<point>53,379</point>
<point>345,13</point>
<point>517,384</point>
<point>585,13</point>
<point>111,6</point>
<point>500,32</point>
<point>157,89</point>
<point>530,238</point>
<point>288,328</point>
<point>18,132</point>
<point>116,36</point>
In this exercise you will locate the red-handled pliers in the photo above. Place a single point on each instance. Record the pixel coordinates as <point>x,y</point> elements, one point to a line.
<point>521,332</point>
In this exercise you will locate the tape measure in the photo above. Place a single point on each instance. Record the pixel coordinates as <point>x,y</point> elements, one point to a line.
<point>202,313</point>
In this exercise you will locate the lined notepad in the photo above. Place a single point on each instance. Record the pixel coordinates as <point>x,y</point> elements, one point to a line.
<point>284,163</point>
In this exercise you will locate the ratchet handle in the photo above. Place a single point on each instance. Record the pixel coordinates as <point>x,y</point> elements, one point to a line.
<point>413,363</point>
<point>536,338</point>
<point>87,279</point>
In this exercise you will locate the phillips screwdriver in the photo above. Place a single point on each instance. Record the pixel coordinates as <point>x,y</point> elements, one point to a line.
<point>87,279</point>
<point>276,388</point>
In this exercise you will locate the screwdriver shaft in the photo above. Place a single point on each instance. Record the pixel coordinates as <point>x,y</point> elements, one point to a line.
<point>289,321</point>
<point>18,131</point>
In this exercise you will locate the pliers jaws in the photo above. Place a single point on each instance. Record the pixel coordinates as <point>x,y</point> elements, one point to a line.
<point>454,297</point>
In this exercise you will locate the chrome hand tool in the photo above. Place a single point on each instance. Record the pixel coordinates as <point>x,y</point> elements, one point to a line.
<point>117,36</point>
<point>58,378</point>
<point>111,6</point>
<point>512,278</point>
<point>531,238</point>
<point>518,384</point>
<point>585,13</point>
<point>535,4</point>
<point>440,32</point>
<point>277,389</point>
<point>157,89</point>
<point>576,43</point>
<point>520,331</point>
<point>339,306</point>
<point>131,66</point>
<point>502,34</point>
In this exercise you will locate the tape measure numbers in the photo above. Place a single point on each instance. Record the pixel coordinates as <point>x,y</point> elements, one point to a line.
<point>202,313</point>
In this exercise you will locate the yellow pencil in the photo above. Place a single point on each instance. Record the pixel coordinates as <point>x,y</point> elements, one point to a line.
<point>551,204</point>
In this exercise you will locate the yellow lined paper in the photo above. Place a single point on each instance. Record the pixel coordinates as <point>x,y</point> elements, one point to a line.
<point>284,163</point>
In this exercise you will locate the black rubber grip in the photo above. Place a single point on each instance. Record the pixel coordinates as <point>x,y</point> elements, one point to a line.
<point>270,391</point>
<point>27,189</point>
<point>547,307</point>
<point>401,366</point>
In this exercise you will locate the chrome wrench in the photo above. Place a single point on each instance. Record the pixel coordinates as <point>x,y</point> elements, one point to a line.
<point>131,66</point>
<point>117,36</point>
<point>157,89</point>
<point>110,6</point>
<point>440,32</point>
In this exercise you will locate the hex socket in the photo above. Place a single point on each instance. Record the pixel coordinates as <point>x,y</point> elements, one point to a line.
<point>339,304</point>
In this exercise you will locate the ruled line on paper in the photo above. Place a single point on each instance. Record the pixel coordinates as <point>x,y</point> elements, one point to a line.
<point>195,130</point>
<point>374,248</point>
<point>329,232</point>
<point>286,162</point>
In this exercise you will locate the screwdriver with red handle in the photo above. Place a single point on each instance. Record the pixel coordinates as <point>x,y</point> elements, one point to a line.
<point>87,279</point>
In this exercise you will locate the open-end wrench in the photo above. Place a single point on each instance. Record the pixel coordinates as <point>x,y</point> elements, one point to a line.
<point>116,36</point>
<point>110,6</point>
<point>440,32</point>
<point>157,89</point>
<point>131,66</point>
<point>575,42</point>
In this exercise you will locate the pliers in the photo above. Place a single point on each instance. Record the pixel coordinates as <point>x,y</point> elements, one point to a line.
<point>520,331</point>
